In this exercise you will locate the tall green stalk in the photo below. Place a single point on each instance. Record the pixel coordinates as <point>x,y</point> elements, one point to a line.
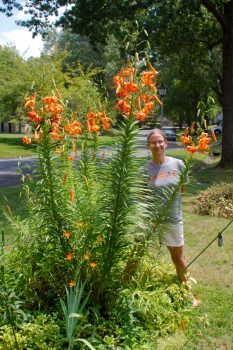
<point>117,205</point>
<point>49,192</point>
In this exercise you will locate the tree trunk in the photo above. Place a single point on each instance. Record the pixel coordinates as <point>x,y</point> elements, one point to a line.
<point>227,96</point>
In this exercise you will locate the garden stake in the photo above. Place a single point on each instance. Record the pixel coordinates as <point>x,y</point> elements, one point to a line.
<point>220,243</point>
<point>2,253</point>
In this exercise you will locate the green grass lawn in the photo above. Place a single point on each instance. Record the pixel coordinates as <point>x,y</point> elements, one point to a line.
<point>11,145</point>
<point>211,325</point>
<point>12,198</point>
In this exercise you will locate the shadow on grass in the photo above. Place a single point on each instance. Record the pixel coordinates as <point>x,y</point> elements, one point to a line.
<point>205,174</point>
<point>13,198</point>
<point>12,202</point>
<point>15,141</point>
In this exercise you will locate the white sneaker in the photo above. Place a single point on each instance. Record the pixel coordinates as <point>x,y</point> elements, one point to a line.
<point>195,302</point>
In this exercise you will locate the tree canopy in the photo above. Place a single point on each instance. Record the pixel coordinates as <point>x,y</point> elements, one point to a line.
<point>21,77</point>
<point>195,36</point>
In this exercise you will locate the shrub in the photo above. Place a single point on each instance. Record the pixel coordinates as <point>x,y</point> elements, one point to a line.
<point>217,200</point>
<point>145,311</point>
<point>41,333</point>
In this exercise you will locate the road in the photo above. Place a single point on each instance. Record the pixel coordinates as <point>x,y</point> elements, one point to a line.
<point>9,173</point>
<point>10,176</point>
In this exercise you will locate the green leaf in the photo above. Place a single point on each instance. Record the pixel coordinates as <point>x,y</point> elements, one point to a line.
<point>86,343</point>
<point>75,315</point>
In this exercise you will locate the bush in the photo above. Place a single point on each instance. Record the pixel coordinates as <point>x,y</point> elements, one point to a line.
<point>146,311</point>
<point>41,333</point>
<point>217,200</point>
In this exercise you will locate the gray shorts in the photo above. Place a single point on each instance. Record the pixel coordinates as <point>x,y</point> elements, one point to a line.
<point>172,235</point>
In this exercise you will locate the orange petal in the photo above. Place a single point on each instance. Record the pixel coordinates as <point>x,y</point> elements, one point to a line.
<point>214,136</point>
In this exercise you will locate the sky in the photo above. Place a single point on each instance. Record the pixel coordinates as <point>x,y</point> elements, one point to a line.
<point>20,37</point>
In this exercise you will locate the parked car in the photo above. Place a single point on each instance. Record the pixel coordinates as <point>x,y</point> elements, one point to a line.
<point>217,129</point>
<point>170,133</point>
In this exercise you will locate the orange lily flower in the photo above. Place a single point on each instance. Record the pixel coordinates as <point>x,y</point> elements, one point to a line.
<point>72,196</point>
<point>50,99</point>
<point>186,140</point>
<point>26,140</point>
<point>192,149</point>
<point>69,256</point>
<point>152,68</point>
<point>95,128</point>
<point>186,131</point>
<point>30,101</point>
<point>140,115</point>
<point>203,147</point>
<point>38,136</point>
<point>106,126</point>
<point>67,234</point>
<point>92,265</point>
<point>214,136</point>
<point>65,178</point>
<point>71,283</point>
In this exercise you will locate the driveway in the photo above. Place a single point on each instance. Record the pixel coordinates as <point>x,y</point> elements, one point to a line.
<point>9,170</point>
<point>10,175</point>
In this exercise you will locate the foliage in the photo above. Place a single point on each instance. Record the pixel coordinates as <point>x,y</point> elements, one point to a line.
<point>144,306</point>
<point>217,200</point>
<point>205,326</point>
<point>66,208</point>
<point>80,229</point>
<point>206,24</point>
<point>41,332</point>
<point>12,83</point>
<point>73,310</point>
<point>206,112</point>
<point>75,84</point>
<point>77,47</point>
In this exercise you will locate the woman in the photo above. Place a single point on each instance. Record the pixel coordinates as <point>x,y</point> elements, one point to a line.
<point>164,173</point>
<point>165,176</point>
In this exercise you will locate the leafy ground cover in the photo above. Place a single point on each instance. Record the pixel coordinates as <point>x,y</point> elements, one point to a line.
<point>210,326</point>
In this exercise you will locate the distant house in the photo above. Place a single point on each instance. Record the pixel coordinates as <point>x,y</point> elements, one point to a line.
<point>13,128</point>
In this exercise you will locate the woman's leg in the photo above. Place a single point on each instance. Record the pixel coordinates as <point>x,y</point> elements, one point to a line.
<point>177,256</point>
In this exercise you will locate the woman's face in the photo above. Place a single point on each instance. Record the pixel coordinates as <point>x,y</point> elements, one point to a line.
<point>157,144</point>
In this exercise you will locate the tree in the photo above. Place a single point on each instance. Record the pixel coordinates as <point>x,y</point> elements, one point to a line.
<point>186,87</point>
<point>21,77</point>
<point>105,60</point>
<point>204,25</point>
<point>78,48</point>
<point>223,13</point>
<point>12,83</point>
